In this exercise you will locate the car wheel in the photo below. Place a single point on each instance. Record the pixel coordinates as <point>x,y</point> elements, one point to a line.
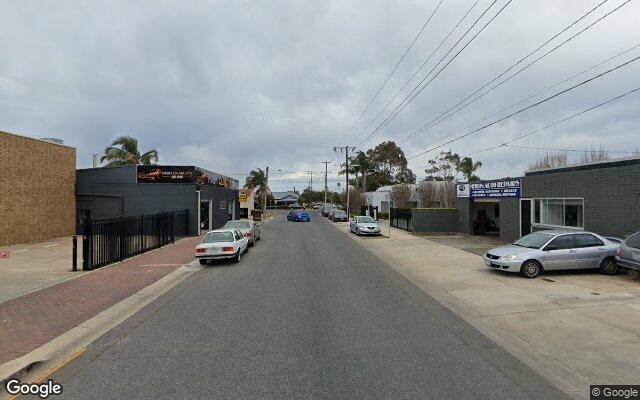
<point>635,274</point>
<point>608,266</point>
<point>237,257</point>
<point>530,269</point>
<point>251,243</point>
<point>203,262</point>
<point>358,231</point>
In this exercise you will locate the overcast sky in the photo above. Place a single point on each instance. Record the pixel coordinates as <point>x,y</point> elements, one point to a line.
<point>230,86</point>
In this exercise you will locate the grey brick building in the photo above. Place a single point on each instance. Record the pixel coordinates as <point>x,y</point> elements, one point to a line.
<point>602,197</point>
<point>211,198</point>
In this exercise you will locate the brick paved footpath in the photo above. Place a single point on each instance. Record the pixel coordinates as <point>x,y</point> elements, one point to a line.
<point>29,321</point>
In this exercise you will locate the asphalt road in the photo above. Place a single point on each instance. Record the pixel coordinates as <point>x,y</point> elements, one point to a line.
<point>308,313</point>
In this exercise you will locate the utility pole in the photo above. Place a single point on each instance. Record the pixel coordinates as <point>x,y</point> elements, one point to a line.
<point>326,171</point>
<point>346,169</point>
<point>264,196</point>
<point>311,173</point>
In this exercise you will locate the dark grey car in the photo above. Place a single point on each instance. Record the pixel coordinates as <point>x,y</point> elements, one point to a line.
<point>628,255</point>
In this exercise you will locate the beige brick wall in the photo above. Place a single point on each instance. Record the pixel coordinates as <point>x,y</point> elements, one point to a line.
<point>37,189</point>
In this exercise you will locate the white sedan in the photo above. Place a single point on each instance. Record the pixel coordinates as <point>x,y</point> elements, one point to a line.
<point>222,243</point>
<point>364,225</point>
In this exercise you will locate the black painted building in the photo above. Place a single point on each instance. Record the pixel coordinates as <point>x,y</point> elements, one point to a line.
<point>210,198</point>
<point>603,197</point>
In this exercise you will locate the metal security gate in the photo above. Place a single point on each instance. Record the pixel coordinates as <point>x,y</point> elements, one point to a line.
<point>401,218</point>
<point>107,240</point>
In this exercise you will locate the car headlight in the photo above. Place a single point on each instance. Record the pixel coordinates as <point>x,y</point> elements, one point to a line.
<point>509,257</point>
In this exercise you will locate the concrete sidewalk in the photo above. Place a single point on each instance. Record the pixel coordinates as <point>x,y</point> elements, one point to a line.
<point>29,321</point>
<point>575,329</point>
<point>33,266</point>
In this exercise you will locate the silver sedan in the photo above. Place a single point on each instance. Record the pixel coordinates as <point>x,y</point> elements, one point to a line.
<point>250,229</point>
<point>554,250</point>
<point>364,225</point>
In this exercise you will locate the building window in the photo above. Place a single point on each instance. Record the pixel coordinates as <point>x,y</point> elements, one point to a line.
<point>496,211</point>
<point>223,205</point>
<point>559,212</point>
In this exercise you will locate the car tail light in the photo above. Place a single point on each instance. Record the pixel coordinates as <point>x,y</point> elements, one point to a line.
<point>227,249</point>
<point>200,250</point>
<point>618,253</point>
<point>248,234</point>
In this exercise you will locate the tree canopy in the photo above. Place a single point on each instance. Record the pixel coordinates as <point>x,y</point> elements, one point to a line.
<point>124,151</point>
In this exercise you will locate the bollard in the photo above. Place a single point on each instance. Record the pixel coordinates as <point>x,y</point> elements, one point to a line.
<point>74,254</point>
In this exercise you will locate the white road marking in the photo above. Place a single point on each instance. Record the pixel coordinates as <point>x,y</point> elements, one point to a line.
<point>50,245</point>
<point>21,250</point>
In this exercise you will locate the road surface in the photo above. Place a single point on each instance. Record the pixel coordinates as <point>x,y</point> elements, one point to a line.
<point>307,314</point>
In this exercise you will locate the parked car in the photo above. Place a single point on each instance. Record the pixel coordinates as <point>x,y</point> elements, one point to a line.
<point>222,243</point>
<point>554,250</point>
<point>628,254</point>
<point>325,210</point>
<point>250,229</point>
<point>295,206</point>
<point>338,216</point>
<point>364,225</point>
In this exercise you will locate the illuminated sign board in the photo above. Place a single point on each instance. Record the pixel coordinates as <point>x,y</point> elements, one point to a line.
<point>165,174</point>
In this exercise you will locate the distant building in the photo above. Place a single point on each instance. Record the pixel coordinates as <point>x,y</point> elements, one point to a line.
<point>247,200</point>
<point>381,198</point>
<point>285,198</point>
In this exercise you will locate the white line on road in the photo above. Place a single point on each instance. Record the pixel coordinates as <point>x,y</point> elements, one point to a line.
<point>50,245</point>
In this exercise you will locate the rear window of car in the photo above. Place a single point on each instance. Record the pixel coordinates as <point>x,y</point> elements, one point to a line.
<point>633,241</point>
<point>339,213</point>
<point>237,225</point>
<point>216,237</point>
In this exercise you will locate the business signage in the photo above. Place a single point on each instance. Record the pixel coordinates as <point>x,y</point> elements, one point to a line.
<point>499,188</point>
<point>462,190</point>
<point>165,174</point>
<point>242,196</point>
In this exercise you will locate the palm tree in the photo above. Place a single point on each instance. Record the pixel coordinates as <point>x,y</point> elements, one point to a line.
<point>361,164</point>
<point>468,168</point>
<point>124,151</point>
<point>257,180</point>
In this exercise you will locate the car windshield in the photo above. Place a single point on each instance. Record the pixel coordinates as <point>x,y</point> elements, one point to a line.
<point>339,213</point>
<point>365,220</point>
<point>237,225</point>
<point>216,237</point>
<point>534,240</point>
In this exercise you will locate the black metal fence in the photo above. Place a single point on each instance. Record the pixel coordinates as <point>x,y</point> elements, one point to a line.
<point>107,240</point>
<point>401,218</point>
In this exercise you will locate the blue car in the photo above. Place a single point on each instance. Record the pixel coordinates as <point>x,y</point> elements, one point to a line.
<point>298,216</point>
<point>303,217</point>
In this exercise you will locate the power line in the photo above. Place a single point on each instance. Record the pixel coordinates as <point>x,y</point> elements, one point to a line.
<point>395,67</point>
<point>412,96</point>
<point>507,143</point>
<point>440,118</point>
<point>419,69</point>
<point>570,150</point>
<point>528,107</point>
<point>543,91</point>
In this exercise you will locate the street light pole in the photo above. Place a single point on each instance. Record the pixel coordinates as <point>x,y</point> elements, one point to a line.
<point>264,195</point>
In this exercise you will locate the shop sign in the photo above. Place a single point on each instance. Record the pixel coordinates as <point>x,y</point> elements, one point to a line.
<point>165,174</point>
<point>242,196</point>
<point>462,190</point>
<point>500,188</point>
